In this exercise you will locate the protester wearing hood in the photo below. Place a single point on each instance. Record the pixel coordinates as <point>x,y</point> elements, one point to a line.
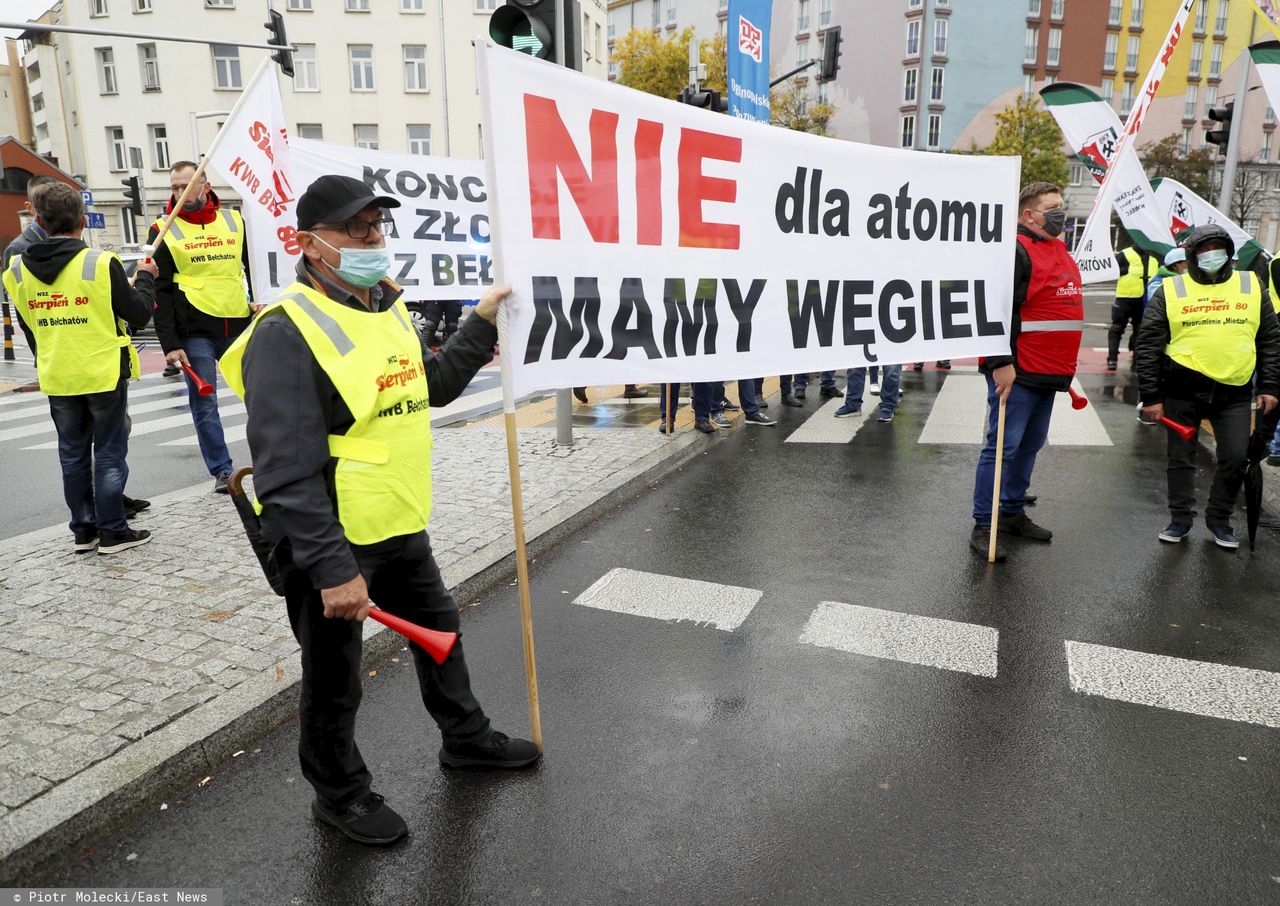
<point>1204,334</point>
<point>76,306</point>
<point>202,303</point>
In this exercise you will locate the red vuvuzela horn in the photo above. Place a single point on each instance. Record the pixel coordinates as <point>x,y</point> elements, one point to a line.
<point>436,643</point>
<point>203,387</point>
<point>1078,400</point>
<point>1186,432</point>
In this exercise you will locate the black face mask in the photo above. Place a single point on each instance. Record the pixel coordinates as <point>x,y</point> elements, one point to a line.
<point>1054,221</point>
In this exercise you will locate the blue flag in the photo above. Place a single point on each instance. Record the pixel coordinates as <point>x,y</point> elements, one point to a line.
<point>748,63</point>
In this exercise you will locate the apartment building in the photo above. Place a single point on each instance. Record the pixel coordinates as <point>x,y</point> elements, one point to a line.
<point>397,75</point>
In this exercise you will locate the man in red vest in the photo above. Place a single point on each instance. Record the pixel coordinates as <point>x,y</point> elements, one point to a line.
<point>1048,317</point>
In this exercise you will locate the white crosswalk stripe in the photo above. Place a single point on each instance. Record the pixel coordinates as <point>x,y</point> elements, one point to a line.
<point>38,404</point>
<point>824,428</point>
<point>671,598</point>
<point>1176,684</point>
<point>182,419</point>
<point>959,416</point>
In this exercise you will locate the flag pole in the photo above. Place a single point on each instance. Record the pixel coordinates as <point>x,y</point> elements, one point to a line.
<point>506,361</point>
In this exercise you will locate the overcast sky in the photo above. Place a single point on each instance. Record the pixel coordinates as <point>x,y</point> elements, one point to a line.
<point>21,11</point>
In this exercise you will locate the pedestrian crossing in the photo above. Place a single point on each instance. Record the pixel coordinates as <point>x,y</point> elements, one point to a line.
<point>1175,684</point>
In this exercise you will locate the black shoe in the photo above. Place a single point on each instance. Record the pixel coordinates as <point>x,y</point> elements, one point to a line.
<point>705,426</point>
<point>115,542</point>
<point>86,540</point>
<point>580,394</point>
<point>133,506</point>
<point>719,420</point>
<point>759,418</point>
<point>1030,499</point>
<point>1023,527</point>
<point>789,400</point>
<point>1273,460</point>
<point>918,366</point>
<point>498,750</point>
<point>220,484</point>
<point>632,392</point>
<point>1111,364</point>
<point>830,393</point>
<point>980,541</point>
<point>944,364</point>
<point>368,820</point>
<point>799,394</point>
<point>728,406</point>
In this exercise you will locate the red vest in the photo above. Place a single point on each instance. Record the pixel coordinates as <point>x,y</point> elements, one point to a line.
<point>1049,324</point>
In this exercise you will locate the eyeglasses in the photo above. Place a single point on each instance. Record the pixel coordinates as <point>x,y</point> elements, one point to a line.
<point>359,229</point>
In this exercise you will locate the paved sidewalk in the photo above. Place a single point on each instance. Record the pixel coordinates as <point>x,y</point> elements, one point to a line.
<point>127,674</point>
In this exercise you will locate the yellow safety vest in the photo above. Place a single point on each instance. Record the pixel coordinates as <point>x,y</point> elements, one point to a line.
<point>383,472</point>
<point>1213,328</point>
<point>207,263</point>
<point>1131,285</point>
<point>78,337</point>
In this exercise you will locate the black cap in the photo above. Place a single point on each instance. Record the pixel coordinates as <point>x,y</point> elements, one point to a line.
<point>336,199</point>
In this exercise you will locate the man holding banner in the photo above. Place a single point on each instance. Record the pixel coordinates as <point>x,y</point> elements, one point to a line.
<point>1048,320</point>
<point>338,387</point>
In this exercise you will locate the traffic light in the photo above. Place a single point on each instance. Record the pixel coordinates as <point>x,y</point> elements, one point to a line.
<point>1222,135</point>
<point>704,98</point>
<point>275,26</point>
<point>530,26</point>
<point>132,194</point>
<point>830,55</point>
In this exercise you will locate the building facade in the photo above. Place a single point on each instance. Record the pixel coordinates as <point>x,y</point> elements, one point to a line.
<point>398,75</point>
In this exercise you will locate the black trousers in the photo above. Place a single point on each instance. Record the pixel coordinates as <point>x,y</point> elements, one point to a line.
<point>1230,420</point>
<point>404,580</point>
<point>1123,312</point>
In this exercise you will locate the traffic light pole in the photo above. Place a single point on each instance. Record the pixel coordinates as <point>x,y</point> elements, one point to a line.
<point>1237,122</point>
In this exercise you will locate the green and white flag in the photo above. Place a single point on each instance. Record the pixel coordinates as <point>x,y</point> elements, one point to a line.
<point>1266,56</point>
<point>1185,209</point>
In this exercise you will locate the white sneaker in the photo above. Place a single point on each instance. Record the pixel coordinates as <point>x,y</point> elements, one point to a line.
<point>874,389</point>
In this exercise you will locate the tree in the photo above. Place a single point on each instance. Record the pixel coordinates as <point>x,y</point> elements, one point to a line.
<point>1249,194</point>
<point>1025,128</point>
<point>791,108</point>
<point>653,64</point>
<point>1165,158</point>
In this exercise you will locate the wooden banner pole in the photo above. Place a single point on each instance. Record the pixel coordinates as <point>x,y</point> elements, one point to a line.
<point>995,492</point>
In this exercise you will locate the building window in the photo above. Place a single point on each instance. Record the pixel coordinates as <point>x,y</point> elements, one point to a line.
<point>940,37</point>
<point>910,80</point>
<point>1215,62</point>
<point>1109,54</point>
<point>300,6</point>
<point>1108,90</point>
<point>361,66</point>
<point>159,146</point>
<point>802,16</point>
<point>1054,57</point>
<point>1202,18</point>
<point>908,131</point>
<point>306,77</point>
<point>824,13</point>
<point>802,52</point>
<point>1186,140</point>
<point>657,13</point>
<point>914,4</point>
<point>1032,49</point>
<point>1264,152</point>
<point>142,6</point>
<point>1197,55</point>
<point>1033,9</point>
<point>1131,57</point>
<point>671,12</point>
<point>1028,84</point>
<point>1113,12</point>
<point>357,6</point>
<point>1189,105</point>
<point>913,38</point>
<point>220,4</point>
<point>486,6</point>
<point>1210,97</point>
<point>613,69</point>
<point>935,84</point>
<point>1058,10</point>
<point>823,95</point>
<point>367,136</point>
<point>412,6</point>
<point>311,130</point>
<point>150,67</point>
<point>1220,27</point>
<point>117,155</point>
<point>934,136</point>
<point>128,229</point>
<point>419,139</point>
<point>98,8</point>
<point>1135,14</point>
<point>415,67</point>
<point>107,82</point>
<point>226,66</point>
<point>1126,97</point>
<point>1077,174</point>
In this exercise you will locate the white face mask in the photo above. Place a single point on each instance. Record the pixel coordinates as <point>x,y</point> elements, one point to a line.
<point>1213,261</point>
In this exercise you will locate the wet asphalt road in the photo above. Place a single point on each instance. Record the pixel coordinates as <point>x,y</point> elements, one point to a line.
<point>690,765</point>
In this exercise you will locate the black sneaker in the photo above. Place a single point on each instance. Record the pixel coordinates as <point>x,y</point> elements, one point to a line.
<point>1030,499</point>
<point>917,366</point>
<point>830,393</point>
<point>704,425</point>
<point>115,542</point>
<point>368,820</point>
<point>980,541</point>
<point>719,420</point>
<point>220,484</point>
<point>789,400</point>
<point>1023,527</point>
<point>759,418</point>
<point>632,392</point>
<point>729,406</point>
<point>800,393</point>
<point>133,506</point>
<point>86,540</point>
<point>1225,536</point>
<point>1273,460</point>
<point>943,364</point>
<point>1174,532</point>
<point>498,750</point>
<point>1111,364</point>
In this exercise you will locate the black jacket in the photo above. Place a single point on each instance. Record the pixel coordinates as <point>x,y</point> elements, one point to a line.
<point>30,236</point>
<point>176,318</point>
<point>132,304</point>
<point>294,407</point>
<point>1159,377</point>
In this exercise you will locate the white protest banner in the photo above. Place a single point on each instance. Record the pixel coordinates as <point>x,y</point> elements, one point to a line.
<point>1185,209</point>
<point>1266,56</point>
<point>647,241</point>
<point>1125,185</point>
<point>440,244</point>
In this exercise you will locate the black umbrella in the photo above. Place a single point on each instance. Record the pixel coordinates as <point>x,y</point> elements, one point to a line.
<point>1253,483</point>
<point>262,548</point>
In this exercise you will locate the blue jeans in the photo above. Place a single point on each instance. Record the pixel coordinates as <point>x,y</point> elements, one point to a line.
<point>828,379</point>
<point>203,353</point>
<point>890,388</point>
<point>1026,425</point>
<point>746,397</point>
<point>701,399</point>
<point>93,441</point>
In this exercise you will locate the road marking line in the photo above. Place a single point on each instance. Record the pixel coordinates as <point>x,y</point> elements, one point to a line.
<point>175,404</point>
<point>887,634</point>
<point>1077,427</point>
<point>671,598</point>
<point>959,416</point>
<point>1175,684</point>
<point>159,424</point>
<point>37,404</point>
<point>824,428</point>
